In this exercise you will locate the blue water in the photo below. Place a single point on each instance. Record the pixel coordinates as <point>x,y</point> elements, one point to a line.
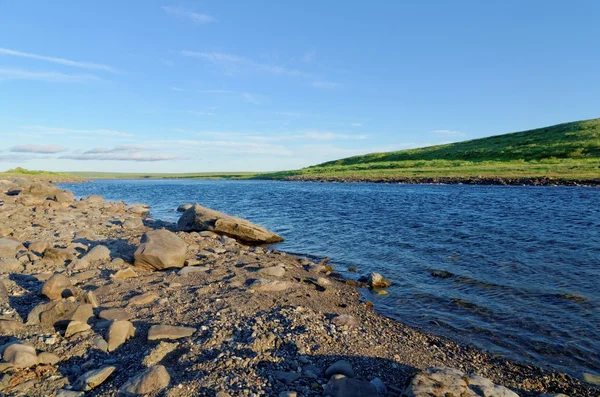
<point>526,260</point>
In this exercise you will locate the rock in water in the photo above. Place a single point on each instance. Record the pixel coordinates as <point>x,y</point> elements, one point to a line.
<point>376,280</point>
<point>198,219</point>
<point>152,380</point>
<point>161,249</point>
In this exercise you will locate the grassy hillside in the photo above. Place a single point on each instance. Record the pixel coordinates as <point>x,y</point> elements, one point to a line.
<point>567,151</point>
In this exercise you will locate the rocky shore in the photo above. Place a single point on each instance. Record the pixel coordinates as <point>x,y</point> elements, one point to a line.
<point>98,299</point>
<point>467,180</point>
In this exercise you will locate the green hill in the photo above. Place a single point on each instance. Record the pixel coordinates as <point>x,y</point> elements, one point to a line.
<point>569,151</point>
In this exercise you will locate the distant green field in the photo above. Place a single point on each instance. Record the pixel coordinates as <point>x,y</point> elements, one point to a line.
<point>141,175</point>
<point>569,151</point>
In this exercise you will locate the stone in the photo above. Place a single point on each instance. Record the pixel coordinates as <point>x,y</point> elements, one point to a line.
<point>10,326</point>
<point>198,219</point>
<point>20,355</point>
<point>341,367</point>
<point>10,265</point>
<point>92,379</point>
<point>288,394</point>
<point>345,320</point>
<point>57,287</point>
<point>273,271</point>
<point>63,197</point>
<point>139,209</point>
<point>100,343</point>
<point>342,386</point>
<point>118,333</point>
<point>287,378</point>
<point>68,393</point>
<point>93,199</point>
<point>161,249</point>
<point>76,327</point>
<point>163,331</point>
<point>152,380</point>
<point>125,273</point>
<point>38,246</point>
<point>192,269</point>
<point>57,255</point>
<point>444,381</point>
<point>143,299</point>
<point>133,224</point>
<point>114,314</point>
<point>379,386</point>
<point>184,207</point>
<point>9,248</point>
<point>591,378</point>
<point>60,313</point>
<point>97,255</point>
<point>265,285</point>
<point>158,353</point>
<point>48,358</point>
<point>376,280</point>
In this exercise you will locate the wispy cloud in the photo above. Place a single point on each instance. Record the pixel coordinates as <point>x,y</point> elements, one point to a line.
<point>235,63</point>
<point>448,133</point>
<point>115,149</point>
<point>325,84</point>
<point>49,77</point>
<point>195,17</point>
<point>61,61</point>
<point>177,89</point>
<point>121,157</point>
<point>43,130</point>
<point>33,148</point>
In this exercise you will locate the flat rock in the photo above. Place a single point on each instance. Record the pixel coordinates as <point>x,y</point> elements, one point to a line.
<point>273,271</point>
<point>265,285</point>
<point>158,353</point>
<point>76,327</point>
<point>92,379</point>
<point>57,287</point>
<point>193,269</point>
<point>163,331</point>
<point>444,381</point>
<point>133,224</point>
<point>198,219</point>
<point>152,380</point>
<point>118,333</point>
<point>9,248</point>
<point>10,326</point>
<point>114,314</point>
<point>59,313</point>
<point>160,249</point>
<point>48,358</point>
<point>10,265</point>
<point>97,255</point>
<point>125,273</point>
<point>143,299</point>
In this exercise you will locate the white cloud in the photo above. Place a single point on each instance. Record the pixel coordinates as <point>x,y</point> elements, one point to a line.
<point>34,148</point>
<point>49,77</point>
<point>121,157</point>
<point>195,17</point>
<point>325,84</point>
<point>448,133</point>
<point>234,63</point>
<point>61,61</point>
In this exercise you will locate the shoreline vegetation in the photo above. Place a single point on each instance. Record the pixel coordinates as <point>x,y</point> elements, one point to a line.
<point>564,154</point>
<point>97,297</point>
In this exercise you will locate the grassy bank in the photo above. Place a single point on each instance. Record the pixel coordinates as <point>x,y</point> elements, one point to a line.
<point>569,151</point>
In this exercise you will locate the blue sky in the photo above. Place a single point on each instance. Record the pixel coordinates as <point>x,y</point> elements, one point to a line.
<point>182,86</point>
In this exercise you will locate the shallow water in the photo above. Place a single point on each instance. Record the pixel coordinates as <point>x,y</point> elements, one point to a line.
<point>525,260</point>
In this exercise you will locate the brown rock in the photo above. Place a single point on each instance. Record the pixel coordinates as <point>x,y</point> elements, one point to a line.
<point>20,355</point>
<point>76,327</point>
<point>118,333</point>
<point>161,249</point>
<point>152,380</point>
<point>57,287</point>
<point>143,299</point>
<point>114,314</point>
<point>163,331</point>
<point>10,326</point>
<point>125,273</point>
<point>9,248</point>
<point>60,313</point>
<point>93,379</point>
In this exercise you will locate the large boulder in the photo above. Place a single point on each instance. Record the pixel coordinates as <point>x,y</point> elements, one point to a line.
<point>198,219</point>
<point>60,313</point>
<point>160,249</point>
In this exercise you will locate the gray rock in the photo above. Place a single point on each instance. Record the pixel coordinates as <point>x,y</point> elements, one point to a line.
<point>198,219</point>
<point>158,353</point>
<point>69,393</point>
<point>341,386</point>
<point>76,327</point>
<point>161,250</point>
<point>47,358</point>
<point>116,314</point>
<point>10,265</point>
<point>345,320</point>
<point>341,367</point>
<point>60,313</point>
<point>20,355</point>
<point>273,271</point>
<point>118,333</point>
<point>133,224</point>
<point>93,379</point>
<point>152,380</point>
<point>265,285</point>
<point>192,269</point>
<point>143,299</point>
